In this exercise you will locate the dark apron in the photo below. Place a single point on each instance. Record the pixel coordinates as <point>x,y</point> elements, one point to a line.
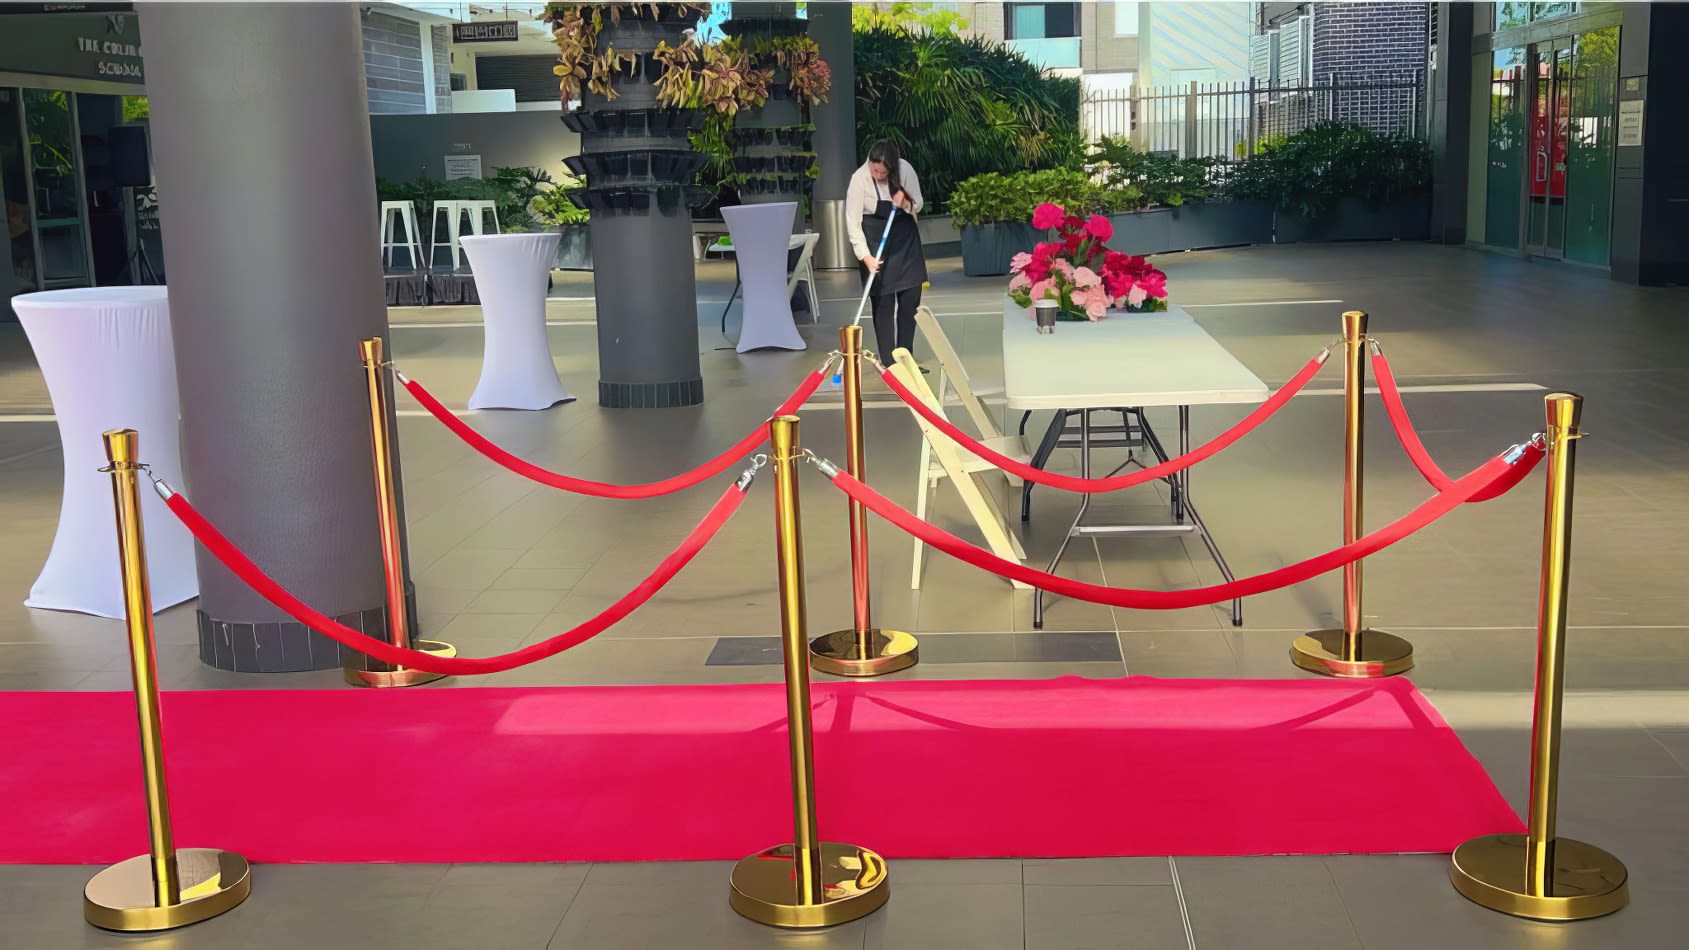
<point>902,265</point>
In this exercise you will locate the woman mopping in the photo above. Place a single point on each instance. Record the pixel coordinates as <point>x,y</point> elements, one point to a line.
<point>885,181</point>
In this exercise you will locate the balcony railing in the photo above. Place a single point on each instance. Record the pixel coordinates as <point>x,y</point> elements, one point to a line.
<point>1057,52</point>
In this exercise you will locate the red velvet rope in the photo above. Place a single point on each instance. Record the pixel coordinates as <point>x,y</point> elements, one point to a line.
<point>1038,476</point>
<point>1416,451</point>
<point>582,486</point>
<point>243,567</point>
<point>1491,473</point>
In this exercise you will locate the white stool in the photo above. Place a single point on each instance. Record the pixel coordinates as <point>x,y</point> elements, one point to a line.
<point>454,211</point>
<point>396,214</point>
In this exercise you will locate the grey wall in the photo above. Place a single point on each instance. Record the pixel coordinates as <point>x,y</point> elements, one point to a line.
<point>393,64</point>
<point>412,146</point>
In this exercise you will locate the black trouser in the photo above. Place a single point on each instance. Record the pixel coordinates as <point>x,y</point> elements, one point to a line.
<point>894,321</point>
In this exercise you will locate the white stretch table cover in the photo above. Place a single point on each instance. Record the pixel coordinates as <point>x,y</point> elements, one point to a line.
<point>510,275</point>
<point>761,236</point>
<point>107,357</point>
<point>1127,359</point>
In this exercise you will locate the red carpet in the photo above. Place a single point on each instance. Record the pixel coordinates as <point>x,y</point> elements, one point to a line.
<point>1053,768</point>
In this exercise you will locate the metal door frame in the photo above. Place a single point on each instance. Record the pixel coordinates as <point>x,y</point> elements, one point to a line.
<point>1533,84</point>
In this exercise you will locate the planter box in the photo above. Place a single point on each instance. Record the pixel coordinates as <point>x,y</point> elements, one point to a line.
<point>937,229</point>
<point>1192,226</point>
<point>1408,219</point>
<point>574,248</point>
<point>987,249</point>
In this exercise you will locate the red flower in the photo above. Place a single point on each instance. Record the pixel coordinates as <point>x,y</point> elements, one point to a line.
<point>1116,261</point>
<point>1099,227</point>
<point>1072,222</point>
<point>1047,216</point>
<point>1073,240</point>
<point>1117,283</point>
<point>1154,283</point>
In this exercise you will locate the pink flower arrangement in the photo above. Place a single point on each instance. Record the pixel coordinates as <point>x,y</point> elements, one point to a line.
<point>1080,271</point>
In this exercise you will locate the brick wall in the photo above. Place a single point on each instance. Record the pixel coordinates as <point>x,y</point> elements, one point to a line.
<point>393,65</point>
<point>1371,42</point>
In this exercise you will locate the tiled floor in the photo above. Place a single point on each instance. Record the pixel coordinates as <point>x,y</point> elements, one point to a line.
<point>499,563</point>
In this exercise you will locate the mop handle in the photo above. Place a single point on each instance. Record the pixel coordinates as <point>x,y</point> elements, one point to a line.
<point>869,286</point>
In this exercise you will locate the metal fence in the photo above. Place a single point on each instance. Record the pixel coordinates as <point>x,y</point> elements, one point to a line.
<point>1230,121</point>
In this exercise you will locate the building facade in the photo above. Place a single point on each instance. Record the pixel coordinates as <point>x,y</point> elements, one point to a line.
<point>1363,51</point>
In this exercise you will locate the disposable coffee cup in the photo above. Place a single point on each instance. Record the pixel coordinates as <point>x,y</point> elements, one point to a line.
<point>1045,312</point>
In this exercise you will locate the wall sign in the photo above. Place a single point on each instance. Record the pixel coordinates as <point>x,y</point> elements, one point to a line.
<point>463,166</point>
<point>497,32</point>
<point>103,46</point>
<point>1630,122</point>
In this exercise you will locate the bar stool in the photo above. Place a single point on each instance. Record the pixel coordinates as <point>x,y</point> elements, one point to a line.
<point>396,214</point>
<point>454,211</point>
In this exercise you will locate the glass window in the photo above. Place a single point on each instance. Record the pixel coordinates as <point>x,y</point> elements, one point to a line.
<point>1509,15</point>
<point>51,123</point>
<point>1506,160</point>
<point>14,186</point>
<point>1037,21</point>
<point>1548,11</point>
<point>1125,19</point>
<point>1592,105</point>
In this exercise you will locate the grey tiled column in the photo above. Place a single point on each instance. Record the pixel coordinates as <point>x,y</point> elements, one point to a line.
<point>268,213</point>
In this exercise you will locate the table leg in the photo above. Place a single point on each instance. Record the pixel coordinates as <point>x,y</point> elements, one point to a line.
<point>1084,505</point>
<point>1181,485</point>
<point>1052,436</point>
<point>730,298</point>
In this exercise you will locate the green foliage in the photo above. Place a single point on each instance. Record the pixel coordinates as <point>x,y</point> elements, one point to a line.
<point>512,190</point>
<point>553,208</point>
<point>1157,180</point>
<point>136,109</point>
<point>1310,172</point>
<point>958,107</point>
<point>989,198</point>
<point>713,142</point>
<point>906,17</point>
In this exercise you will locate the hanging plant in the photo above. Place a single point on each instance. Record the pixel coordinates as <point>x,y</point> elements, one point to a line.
<point>606,66</point>
<point>575,30</point>
<point>808,77</point>
<point>719,77</point>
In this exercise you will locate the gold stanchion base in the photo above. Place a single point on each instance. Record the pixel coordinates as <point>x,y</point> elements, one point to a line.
<point>854,884</point>
<point>1381,654</point>
<point>1588,882</point>
<point>121,896</point>
<point>402,676</point>
<point>840,653</point>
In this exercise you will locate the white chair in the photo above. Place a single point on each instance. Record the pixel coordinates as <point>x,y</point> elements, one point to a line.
<point>804,273</point>
<point>941,457</point>
<point>394,215</point>
<point>454,212</point>
<point>952,374</point>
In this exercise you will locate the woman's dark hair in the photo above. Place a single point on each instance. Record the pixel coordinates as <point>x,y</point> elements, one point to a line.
<point>884,152</point>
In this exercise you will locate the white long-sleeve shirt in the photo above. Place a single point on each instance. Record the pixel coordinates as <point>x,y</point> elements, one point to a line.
<point>861,198</point>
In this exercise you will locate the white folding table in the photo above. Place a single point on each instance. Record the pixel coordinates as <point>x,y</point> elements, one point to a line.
<point>510,275</point>
<point>1125,363</point>
<point>109,364</point>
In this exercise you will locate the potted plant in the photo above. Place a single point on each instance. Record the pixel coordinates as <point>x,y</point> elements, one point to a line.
<point>992,211</point>
<point>556,210</point>
<point>1338,182</point>
<point>1080,273</point>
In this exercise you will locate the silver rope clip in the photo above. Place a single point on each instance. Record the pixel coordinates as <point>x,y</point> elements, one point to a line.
<point>827,467</point>
<point>401,377</point>
<point>1514,454</point>
<point>158,484</point>
<point>1377,350</point>
<point>750,473</point>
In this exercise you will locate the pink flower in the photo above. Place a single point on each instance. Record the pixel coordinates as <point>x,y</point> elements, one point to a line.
<point>1137,295</point>
<point>1019,261</point>
<point>1020,281</point>
<point>1086,277</point>
<point>1097,308</point>
<point>1099,227</point>
<point>1063,267</point>
<point>1047,216</point>
<point>1154,284</point>
<point>1041,289</point>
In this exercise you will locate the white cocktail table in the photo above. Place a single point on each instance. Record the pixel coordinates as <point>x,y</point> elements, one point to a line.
<point>109,364</point>
<point>761,236</point>
<point>510,277</point>
<point>1125,363</point>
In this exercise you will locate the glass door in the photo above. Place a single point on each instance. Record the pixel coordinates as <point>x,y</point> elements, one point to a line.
<point>55,179</point>
<point>1551,82</point>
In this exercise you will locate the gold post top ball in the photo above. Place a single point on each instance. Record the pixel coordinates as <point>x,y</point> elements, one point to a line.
<point>1354,324</point>
<point>850,339</point>
<point>123,446</point>
<point>1564,410</point>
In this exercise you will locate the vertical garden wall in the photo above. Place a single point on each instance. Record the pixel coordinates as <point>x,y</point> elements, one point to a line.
<point>636,161</point>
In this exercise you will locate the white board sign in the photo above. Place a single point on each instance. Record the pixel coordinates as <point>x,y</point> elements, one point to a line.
<point>1630,122</point>
<point>463,166</point>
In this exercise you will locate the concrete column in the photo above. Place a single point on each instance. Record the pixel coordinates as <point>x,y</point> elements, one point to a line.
<point>261,142</point>
<point>1449,121</point>
<point>835,133</point>
<point>1650,236</point>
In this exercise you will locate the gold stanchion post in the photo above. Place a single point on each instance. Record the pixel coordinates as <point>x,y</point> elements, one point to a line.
<point>166,887</point>
<point>809,883</point>
<point>862,649</point>
<point>361,670</point>
<point>1353,651</point>
<point>1537,874</point>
